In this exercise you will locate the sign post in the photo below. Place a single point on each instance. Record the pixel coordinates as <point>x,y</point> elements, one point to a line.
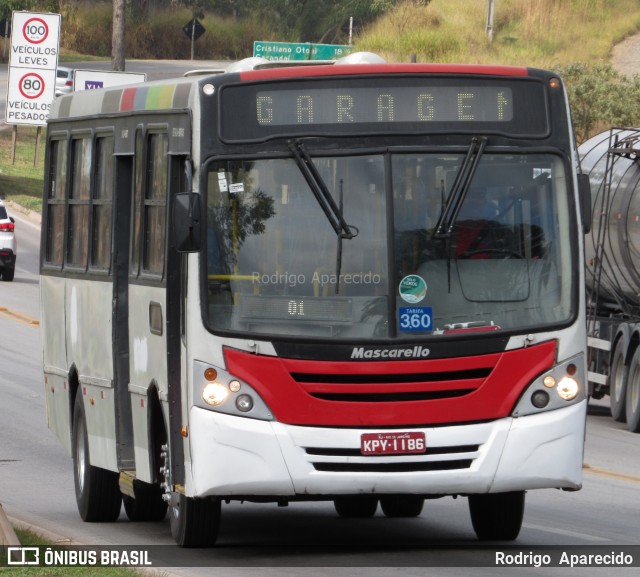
<point>193,29</point>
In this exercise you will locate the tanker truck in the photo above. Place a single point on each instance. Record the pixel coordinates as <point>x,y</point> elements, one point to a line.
<point>612,251</point>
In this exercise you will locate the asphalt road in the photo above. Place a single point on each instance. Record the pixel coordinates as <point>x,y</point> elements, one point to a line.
<point>36,490</point>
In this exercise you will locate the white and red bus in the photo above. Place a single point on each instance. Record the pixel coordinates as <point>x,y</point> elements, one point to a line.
<point>359,282</point>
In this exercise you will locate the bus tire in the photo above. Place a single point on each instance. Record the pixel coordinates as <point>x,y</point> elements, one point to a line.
<point>618,383</point>
<point>402,505</point>
<point>358,506</point>
<point>97,490</point>
<point>147,505</point>
<point>497,516</point>
<point>195,522</point>
<point>633,394</point>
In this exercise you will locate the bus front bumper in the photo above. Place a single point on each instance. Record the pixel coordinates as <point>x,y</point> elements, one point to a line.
<point>239,457</point>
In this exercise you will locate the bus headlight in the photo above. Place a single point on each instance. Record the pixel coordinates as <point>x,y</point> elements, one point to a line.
<point>568,388</point>
<point>217,390</point>
<point>214,394</point>
<point>244,403</point>
<point>567,379</point>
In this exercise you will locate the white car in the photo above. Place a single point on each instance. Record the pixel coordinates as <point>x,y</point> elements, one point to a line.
<point>8,245</point>
<point>64,80</point>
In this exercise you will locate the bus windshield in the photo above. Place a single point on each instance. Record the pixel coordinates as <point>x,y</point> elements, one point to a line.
<point>276,265</point>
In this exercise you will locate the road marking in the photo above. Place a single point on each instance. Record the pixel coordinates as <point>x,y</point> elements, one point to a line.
<point>565,533</point>
<point>16,316</point>
<point>611,474</point>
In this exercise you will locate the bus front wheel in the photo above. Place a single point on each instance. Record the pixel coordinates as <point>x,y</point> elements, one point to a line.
<point>97,490</point>
<point>497,516</point>
<point>195,522</point>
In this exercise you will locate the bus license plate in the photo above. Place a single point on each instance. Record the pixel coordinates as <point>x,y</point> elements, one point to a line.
<point>392,443</point>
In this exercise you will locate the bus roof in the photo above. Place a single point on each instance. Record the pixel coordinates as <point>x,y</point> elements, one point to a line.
<point>171,94</point>
<point>175,94</point>
<point>406,68</point>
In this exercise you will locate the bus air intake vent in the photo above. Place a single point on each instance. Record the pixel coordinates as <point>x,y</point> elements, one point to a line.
<point>351,460</point>
<point>391,387</point>
<point>373,397</point>
<point>393,467</point>
<point>371,379</point>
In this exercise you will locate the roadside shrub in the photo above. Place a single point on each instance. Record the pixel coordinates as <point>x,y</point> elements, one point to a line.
<point>87,29</point>
<point>599,95</point>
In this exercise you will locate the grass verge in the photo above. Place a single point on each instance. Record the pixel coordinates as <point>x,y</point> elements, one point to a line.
<point>22,166</point>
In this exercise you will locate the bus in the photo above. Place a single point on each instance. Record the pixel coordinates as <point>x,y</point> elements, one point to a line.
<point>356,282</point>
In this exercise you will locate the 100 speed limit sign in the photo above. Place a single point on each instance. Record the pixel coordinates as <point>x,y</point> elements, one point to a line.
<point>35,30</point>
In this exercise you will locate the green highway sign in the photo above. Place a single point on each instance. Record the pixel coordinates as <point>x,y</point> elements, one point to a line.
<point>299,51</point>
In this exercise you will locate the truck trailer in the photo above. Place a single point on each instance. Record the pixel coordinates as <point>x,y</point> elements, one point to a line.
<point>612,254</point>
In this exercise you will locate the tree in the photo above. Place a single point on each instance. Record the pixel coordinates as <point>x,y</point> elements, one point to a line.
<point>117,38</point>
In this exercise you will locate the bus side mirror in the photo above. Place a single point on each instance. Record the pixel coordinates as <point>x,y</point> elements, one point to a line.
<point>584,192</point>
<point>187,230</point>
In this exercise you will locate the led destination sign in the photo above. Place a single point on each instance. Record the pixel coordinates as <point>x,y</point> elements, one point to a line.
<point>375,105</point>
<point>383,105</point>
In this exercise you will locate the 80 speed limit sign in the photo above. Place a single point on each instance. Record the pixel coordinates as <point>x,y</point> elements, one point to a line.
<point>29,96</point>
<point>31,85</point>
<point>32,67</point>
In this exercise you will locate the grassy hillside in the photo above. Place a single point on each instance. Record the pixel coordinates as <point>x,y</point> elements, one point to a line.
<point>574,36</point>
<point>539,33</point>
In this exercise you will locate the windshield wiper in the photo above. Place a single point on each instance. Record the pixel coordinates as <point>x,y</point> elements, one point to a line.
<point>459,189</point>
<point>321,192</point>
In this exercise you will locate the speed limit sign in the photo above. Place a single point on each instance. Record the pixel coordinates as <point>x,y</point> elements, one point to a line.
<point>31,85</point>
<point>32,67</point>
<point>35,30</point>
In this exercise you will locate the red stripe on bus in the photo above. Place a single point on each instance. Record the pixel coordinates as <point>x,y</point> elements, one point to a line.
<point>363,69</point>
<point>299,401</point>
<point>127,100</point>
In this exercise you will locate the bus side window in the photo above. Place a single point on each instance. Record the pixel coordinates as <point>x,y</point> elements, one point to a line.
<point>79,196</point>
<point>150,205</point>
<point>102,204</point>
<point>54,241</point>
<point>155,204</point>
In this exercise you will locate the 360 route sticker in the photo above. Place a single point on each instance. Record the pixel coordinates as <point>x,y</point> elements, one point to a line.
<point>35,30</point>
<point>31,85</point>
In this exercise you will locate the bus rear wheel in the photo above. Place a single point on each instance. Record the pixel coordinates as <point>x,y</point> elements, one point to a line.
<point>358,506</point>
<point>497,516</point>
<point>147,505</point>
<point>97,490</point>
<point>195,522</point>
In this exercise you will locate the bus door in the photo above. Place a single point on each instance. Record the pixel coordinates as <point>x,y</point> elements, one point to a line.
<point>123,179</point>
<point>154,305</point>
<point>147,301</point>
